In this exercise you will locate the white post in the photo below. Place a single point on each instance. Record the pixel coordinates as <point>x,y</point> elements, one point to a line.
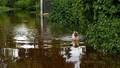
<point>41,7</point>
<point>41,25</point>
<point>41,12</point>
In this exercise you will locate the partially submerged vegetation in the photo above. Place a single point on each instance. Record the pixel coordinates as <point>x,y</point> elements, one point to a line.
<point>100,20</point>
<point>4,9</point>
<point>7,5</point>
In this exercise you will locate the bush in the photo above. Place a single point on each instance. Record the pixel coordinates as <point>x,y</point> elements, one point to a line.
<point>105,36</point>
<point>4,2</point>
<point>24,4</point>
<point>4,9</point>
<point>99,17</point>
<point>69,11</point>
<point>19,4</point>
<point>104,32</point>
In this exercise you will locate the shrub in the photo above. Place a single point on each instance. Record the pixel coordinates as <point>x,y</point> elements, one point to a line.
<point>99,17</point>
<point>103,33</point>
<point>4,2</point>
<point>105,36</point>
<point>70,11</point>
<point>4,9</point>
<point>24,4</point>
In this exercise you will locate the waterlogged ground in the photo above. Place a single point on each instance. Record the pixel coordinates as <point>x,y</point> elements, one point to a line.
<point>29,41</point>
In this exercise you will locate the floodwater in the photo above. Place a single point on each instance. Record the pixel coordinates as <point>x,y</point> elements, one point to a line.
<point>27,40</point>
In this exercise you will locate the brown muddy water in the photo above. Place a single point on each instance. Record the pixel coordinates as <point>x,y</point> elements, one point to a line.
<point>29,41</point>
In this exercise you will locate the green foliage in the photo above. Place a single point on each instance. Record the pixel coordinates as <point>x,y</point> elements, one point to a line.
<point>69,11</point>
<point>4,9</point>
<point>19,4</point>
<point>24,4</point>
<point>99,17</point>
<point>105,35</point>
<point>4,2</point>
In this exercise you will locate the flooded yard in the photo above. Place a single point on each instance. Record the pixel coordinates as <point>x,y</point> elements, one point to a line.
<point>27,40</point>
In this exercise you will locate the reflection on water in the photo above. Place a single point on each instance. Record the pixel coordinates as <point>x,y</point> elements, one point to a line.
<point>22,32</point>
<point>10,52</point>
<point>49,56</point>
<point>74,55</point>
<point>32,44</point>
<point>24,37</point>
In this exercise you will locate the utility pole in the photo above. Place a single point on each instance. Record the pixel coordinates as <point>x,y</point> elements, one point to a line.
<point>41,14</point>
<point>41,7</point>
